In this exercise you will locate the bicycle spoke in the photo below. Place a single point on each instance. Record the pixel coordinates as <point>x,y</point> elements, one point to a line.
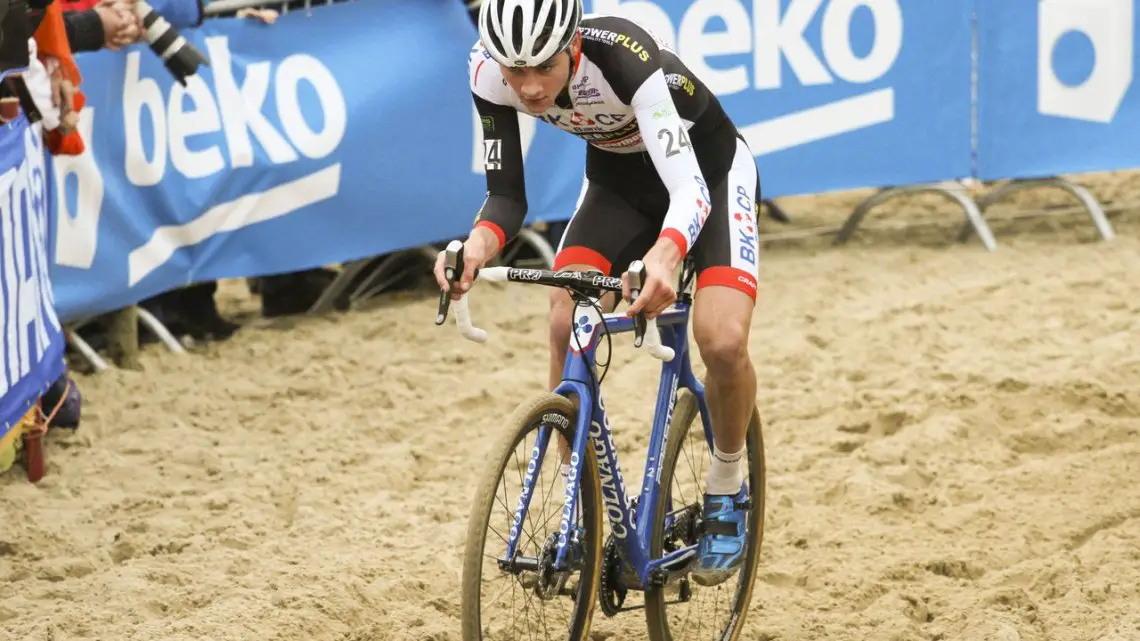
<point>503,502</point>
<point>510,515</point>
<point>510,584</point>
<point>526,612</point>
<point>689,457</point>
<point>497,533</point>
<point>514,620</point>
<point>550,493</point>
<point>545,628</point>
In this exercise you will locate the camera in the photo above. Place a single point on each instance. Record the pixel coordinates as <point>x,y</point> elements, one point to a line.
<point>180,57</point>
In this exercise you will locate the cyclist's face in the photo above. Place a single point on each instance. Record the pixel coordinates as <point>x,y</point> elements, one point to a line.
<point>538,87</point>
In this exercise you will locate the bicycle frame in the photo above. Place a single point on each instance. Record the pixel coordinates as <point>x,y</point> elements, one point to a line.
<point>632,530</point>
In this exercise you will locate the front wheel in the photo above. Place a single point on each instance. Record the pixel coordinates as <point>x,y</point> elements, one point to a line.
<point>681,610</point>
<point>527,596</point>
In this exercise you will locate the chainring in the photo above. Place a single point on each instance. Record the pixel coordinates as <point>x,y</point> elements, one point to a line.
<point>611,593</point>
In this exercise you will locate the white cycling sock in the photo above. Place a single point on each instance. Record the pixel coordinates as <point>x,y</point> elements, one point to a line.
<point>726,473</point>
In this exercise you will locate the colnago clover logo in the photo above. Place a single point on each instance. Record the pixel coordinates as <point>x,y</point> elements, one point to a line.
<point>587,325</point>
<point>208,127</point>
<point>1084,57</point>
<point>776,32</point>
<point>583,331</point>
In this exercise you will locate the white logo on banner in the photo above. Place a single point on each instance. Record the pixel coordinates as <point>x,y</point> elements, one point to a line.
<point>27,308</point>
<point>773,38</point>
<point>185,124</point>
<point>1108,24</point>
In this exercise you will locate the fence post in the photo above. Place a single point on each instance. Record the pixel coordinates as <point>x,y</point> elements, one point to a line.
<point>123,338</point>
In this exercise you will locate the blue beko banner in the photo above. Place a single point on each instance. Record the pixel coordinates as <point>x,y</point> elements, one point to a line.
<point>831,94</point>
<point>1056,87</point>
<point>319,139</point>
<point>179,13</point>
<point>32,342</point>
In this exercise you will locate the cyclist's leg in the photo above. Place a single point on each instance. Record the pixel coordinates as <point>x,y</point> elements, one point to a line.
<point>604,231</point>
<point>726,260</point>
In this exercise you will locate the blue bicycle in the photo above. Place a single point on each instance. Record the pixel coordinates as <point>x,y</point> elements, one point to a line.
<point>544,569</point>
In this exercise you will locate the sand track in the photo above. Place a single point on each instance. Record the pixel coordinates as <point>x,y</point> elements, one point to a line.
<point>953,440</point>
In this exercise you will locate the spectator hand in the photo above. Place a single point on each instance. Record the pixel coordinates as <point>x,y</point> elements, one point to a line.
<point>121,26</point>
<point>268,16</point>
<point>63,98</point>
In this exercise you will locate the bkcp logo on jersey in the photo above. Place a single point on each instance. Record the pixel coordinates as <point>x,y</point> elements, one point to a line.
<point>762,36</point>
<point>1084,57</point>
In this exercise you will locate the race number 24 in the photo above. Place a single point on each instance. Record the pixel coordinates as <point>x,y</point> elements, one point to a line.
<point>674,144</point>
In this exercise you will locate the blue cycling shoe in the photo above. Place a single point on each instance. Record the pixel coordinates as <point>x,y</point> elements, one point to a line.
<point>723,530</point>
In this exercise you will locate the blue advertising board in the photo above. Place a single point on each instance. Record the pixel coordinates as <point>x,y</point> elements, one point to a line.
<point>1056,87</point>
<point>308,142</point>
<point>32,342</point>
<point>316,141</point>
<point>831,94</point>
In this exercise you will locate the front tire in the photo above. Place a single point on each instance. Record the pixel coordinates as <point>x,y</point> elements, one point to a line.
<point>483,618</point>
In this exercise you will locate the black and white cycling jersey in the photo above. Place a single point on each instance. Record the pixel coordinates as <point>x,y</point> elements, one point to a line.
<point>644,115</point>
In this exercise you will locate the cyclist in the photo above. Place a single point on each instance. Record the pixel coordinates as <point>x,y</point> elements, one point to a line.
<point>667,174</point>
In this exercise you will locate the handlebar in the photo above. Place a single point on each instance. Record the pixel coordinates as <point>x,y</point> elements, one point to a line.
<point>589,283</point>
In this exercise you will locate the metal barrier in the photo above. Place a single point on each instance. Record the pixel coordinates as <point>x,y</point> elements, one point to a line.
<point>367,278</point>
<point>1088,202</point>
<point>952,190</point>
<point>147,319</point>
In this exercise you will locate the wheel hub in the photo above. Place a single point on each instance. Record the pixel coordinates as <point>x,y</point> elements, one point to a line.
<point>550,581</point>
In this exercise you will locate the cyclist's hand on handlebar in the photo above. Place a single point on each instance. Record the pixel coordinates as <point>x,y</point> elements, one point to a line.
<point>477,251</point>
<point>657,292</point>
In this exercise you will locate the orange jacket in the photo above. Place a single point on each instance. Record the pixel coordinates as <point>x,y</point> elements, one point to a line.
<point>51,40</point>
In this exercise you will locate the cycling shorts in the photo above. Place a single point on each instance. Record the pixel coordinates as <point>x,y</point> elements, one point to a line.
<point>622,207</point>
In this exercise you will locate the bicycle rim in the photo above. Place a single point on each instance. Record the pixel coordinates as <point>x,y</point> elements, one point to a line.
<point>500,605</point>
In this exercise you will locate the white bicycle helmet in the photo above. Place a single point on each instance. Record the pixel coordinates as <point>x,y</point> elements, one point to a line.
<point>526,33</point>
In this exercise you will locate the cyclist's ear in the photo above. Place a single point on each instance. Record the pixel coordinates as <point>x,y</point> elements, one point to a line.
<point>573,50</point>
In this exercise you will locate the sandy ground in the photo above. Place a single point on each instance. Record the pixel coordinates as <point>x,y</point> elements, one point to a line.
<point>953,440</point>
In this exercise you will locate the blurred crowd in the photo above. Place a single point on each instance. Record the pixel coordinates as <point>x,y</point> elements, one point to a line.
<point>41,81</point>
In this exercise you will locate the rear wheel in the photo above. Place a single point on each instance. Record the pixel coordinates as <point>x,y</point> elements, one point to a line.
<point>682,610</point>
<point>528,597</point>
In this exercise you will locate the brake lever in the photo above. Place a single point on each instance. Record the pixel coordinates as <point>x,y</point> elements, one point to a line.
<point>636,282</point>
<point>452,269</point>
